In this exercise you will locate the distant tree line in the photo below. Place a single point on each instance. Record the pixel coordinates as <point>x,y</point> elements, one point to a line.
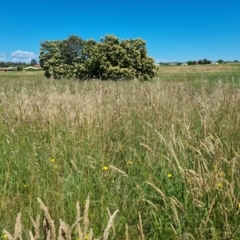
<point>110,58</point>
<point>200,62</point>
<point>206,61</point>
<point>12,64</point>
<point>18,65</point>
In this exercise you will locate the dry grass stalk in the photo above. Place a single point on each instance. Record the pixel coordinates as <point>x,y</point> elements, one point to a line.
<point>226,224</point>
<point>85,218</point>
<point>142,237</point>
<point>160,192</point>
<point>31,235</point>
<point>64,231</point>
<point>174,230</point>
<point>80,233</point>
<point>49,226</point>
<point>86,233</point>
<point>176,160</point>
<point>113,227</point>
<point>36,225</point>
<point>126,232</point>
<point>150,203</point>
<point>120,171</point>
<point>147,147</point>
<point>75,225</point>
<point>17,230</point>
<point>175,201</point>
<point>209,213</point>
<point>90,235</point>
<point>46,230</point>
<point>109,225</point>
<point>176,216</point>
<point>78,218</point>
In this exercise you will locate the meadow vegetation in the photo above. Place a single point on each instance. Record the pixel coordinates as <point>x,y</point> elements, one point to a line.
<point>142,160</point>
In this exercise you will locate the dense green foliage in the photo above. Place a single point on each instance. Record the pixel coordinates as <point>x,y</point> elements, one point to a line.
<point>110,58</point>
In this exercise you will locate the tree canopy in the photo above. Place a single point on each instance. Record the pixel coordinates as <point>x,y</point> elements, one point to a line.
<point>110,58</point>
<point>33,62</point>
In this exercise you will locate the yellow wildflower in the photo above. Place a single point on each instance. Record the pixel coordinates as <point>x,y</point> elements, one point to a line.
<point>169,175</point>
<point>238,205</point>
<point>52,160</point>
<point>55,166</point>
<point>5,236</point>
<point>120,148</point>
<point>215,168</point>
<point>211,137</point>
<point>130,162</point>
<point>105,168</point>
<point>219,185</point>
<point>25,185</point>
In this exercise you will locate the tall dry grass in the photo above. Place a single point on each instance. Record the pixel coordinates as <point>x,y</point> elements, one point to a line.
<point>80,229</point>
<point>166,154</point>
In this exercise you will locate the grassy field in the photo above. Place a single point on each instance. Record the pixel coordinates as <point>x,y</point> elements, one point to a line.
<point>165,154</point>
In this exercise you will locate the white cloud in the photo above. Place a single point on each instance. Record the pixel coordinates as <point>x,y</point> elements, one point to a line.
<point>2,57</point>
<point>22,56</point>
<point>159,60</point>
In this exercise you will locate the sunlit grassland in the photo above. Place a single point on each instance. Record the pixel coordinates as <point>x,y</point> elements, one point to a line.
<point>223,72</point>
<point>166,150</point>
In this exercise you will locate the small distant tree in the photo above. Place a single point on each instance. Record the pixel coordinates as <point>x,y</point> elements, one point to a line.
<point>33,62</point>
<point>220,61</point>
<point>206,61</point>
<point>163,63</point>
<point>20,68</point>
<point>191,62</point>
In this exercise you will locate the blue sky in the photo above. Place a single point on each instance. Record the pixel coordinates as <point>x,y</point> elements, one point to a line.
<point>174,30</point>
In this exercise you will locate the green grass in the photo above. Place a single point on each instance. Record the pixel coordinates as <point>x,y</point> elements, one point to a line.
<point>212,73</point>
<point>171,148</point>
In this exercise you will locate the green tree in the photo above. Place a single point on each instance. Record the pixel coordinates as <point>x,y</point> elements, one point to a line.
<point>33,62</point>
<point>191,62</point>
<point>205,61</point>
<point>20,68</point>
<point>51,60</point>
<point>108,59</point>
